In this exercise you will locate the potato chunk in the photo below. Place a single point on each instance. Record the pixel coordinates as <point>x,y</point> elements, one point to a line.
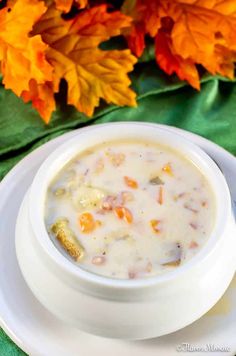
<point>87,197</point>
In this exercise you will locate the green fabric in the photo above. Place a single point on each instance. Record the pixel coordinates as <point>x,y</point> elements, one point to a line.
<point>7,347</point>
<point>210,113</point>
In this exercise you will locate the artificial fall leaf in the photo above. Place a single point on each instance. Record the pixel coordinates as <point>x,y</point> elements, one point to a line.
<point>22,57</point>
<point>188,32</point>
<point>170,63</point>
<point>74,53</point>
<point>42,98</point>
<point>135,34</point>
<point>65,5</point>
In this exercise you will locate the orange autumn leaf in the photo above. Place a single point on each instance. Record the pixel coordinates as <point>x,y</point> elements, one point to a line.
<point>91,73</point>
<point>171,63</point>
<point>187,32</point>
<point>22,57</point>
<point>135,34</point>
<point>136,41</point>
<point>42,98</point>
<point>199,30</point>
<point>39,47</point>
<point>146,19</point>
<point>65,5</point>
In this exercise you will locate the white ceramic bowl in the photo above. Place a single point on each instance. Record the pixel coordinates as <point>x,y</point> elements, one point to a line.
<point>129,309</point>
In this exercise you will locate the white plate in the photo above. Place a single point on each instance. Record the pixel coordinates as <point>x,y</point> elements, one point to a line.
<point>37,332</point>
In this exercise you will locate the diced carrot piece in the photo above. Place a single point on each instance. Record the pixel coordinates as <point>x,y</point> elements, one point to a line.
<point>124,213</point>
<point>131,182</point>
<point>154,224</point>
<point>119,212</point>
<point>87,222</point>
<point>160,196</point>
<point>167,169</point>
<point>128,217</point>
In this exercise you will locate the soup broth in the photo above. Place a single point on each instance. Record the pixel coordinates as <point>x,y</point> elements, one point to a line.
<point>129,209</point>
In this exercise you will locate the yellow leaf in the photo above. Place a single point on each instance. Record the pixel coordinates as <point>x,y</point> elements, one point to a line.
<point>91,73</point>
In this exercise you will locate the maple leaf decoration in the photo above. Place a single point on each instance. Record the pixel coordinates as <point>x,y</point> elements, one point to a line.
<point>186,32</point>
<point>43,42</point>
<point>74,53</point>
<point>34,58</point>
<point>65,5</point>
<point>22,57</point>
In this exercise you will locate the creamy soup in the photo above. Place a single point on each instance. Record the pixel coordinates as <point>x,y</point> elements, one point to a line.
<point>129,209</point>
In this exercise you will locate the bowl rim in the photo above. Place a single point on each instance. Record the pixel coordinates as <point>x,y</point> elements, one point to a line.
<point>69,149</point>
